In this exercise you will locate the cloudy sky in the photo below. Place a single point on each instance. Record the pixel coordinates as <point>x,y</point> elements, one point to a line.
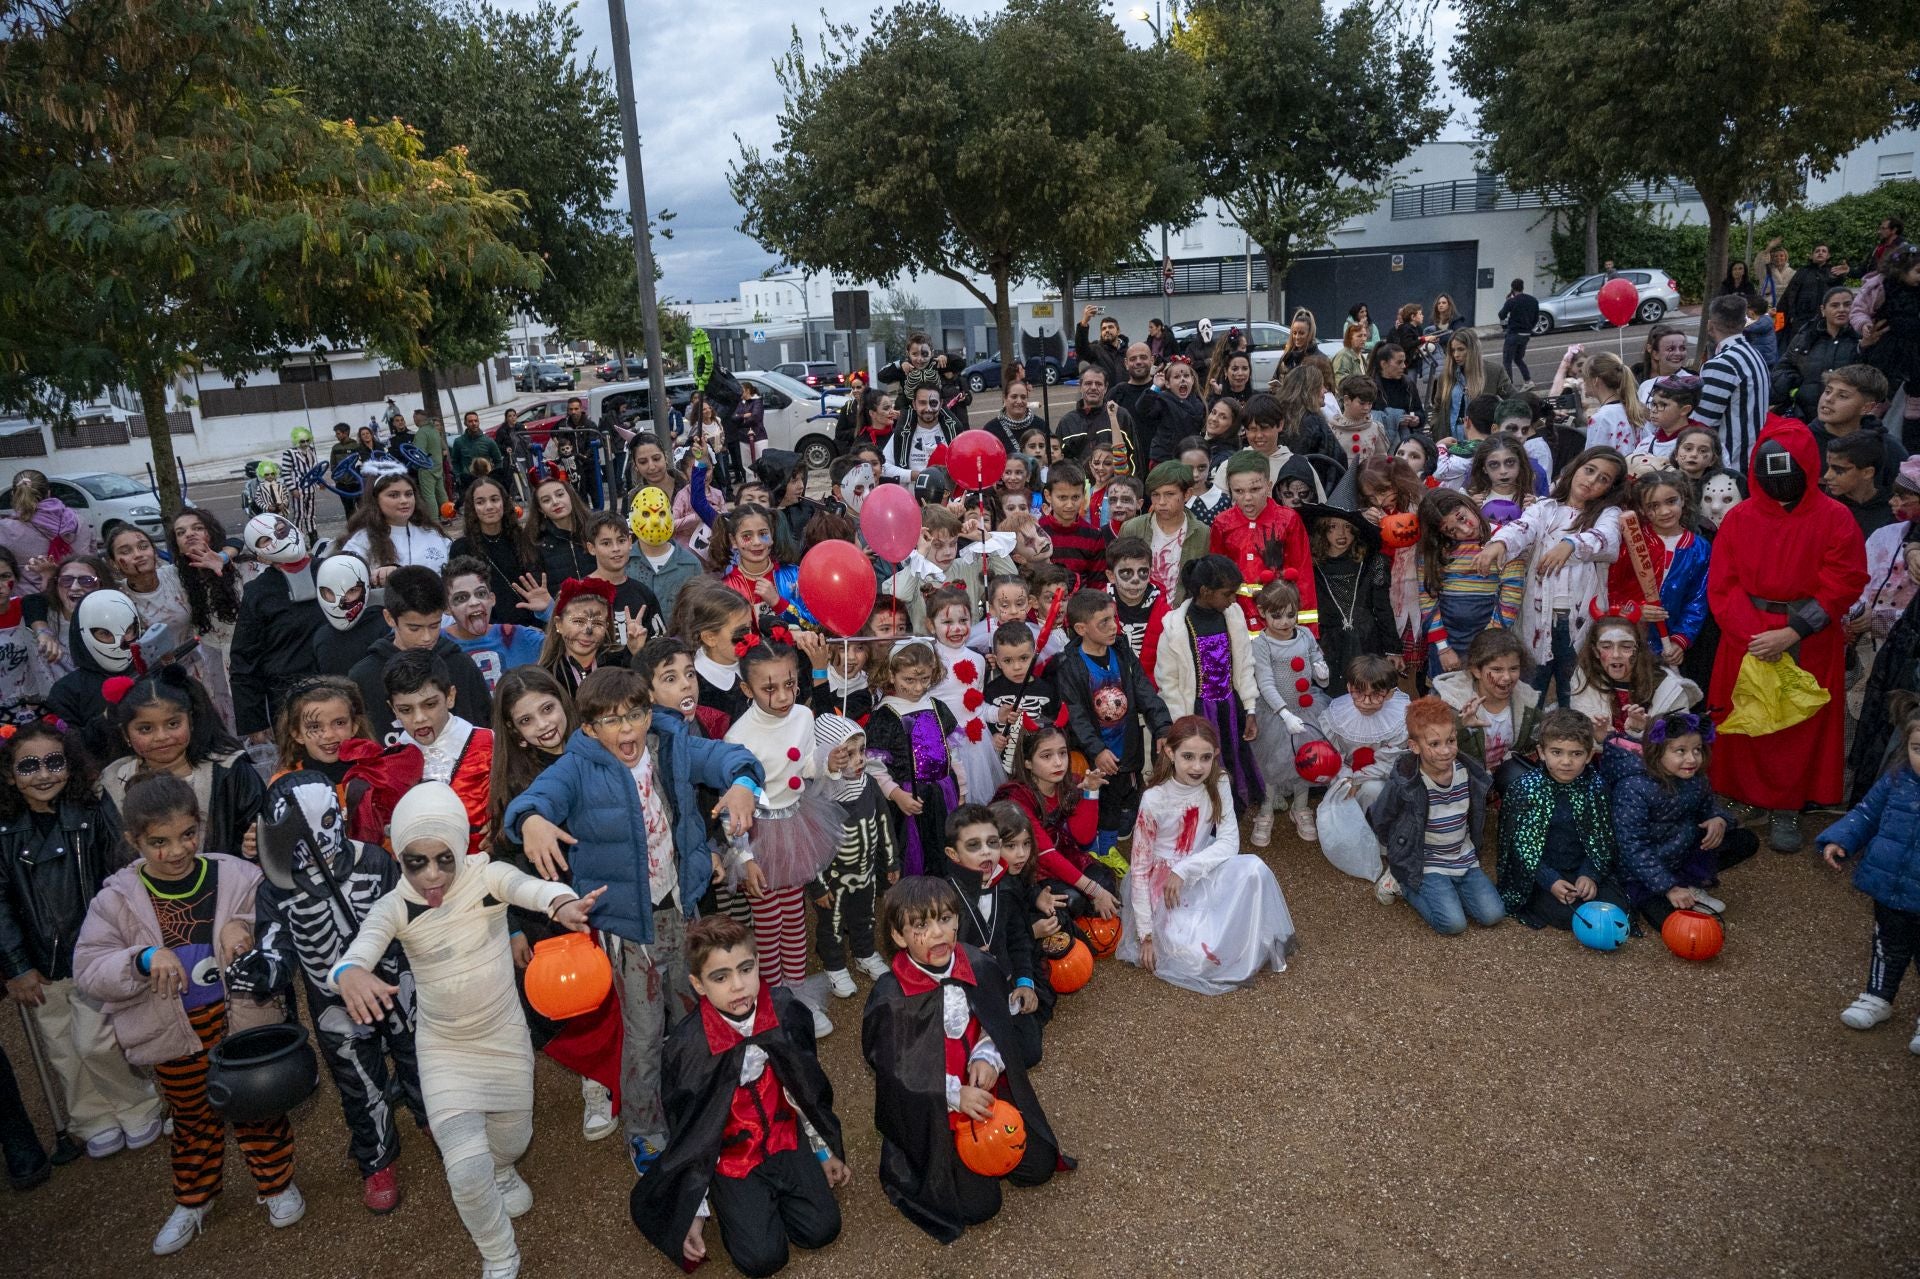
<point>703,74</point>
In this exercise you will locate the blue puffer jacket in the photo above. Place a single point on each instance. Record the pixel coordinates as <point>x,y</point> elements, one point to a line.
<point>592,795</point>
<point>1656,828</point>
<point>1887,825</point>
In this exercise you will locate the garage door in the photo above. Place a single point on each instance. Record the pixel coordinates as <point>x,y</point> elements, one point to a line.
<point>1329,283</point>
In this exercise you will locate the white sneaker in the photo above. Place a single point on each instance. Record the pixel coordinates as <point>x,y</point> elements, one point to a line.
<point>1707,901</point>
<point>102,1144</point>
<point>181,1228</point>
<point>1262,827</point>
<point>1306,825</point>
<point>821,1026</point>
<point>1867,1012</point>
<point>841,983</point>
<point>285,1208</point>
<point>1386,888</point>
<point>873,966</point>
<point>515,1193</point>
<point>1913,1045</point>
<point>508,1269</point>
<point>141,1138</point>
<point>596,1113</point>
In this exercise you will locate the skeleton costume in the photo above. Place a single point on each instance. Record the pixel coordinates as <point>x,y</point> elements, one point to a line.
<point>476,1061</point>
<point>319,886</point>
<point>868,850</point>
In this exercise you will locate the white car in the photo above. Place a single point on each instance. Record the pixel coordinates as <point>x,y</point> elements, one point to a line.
<point>1269,340</point>
<point>100,498</point>
<point>798,418</point>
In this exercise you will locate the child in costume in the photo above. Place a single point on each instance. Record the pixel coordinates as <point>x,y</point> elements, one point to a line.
<point>171,727</point>
<point>962,692</point>
<point>753,1143</point>
<point>1675,837</point>
<point>1019,699</point>
<point>1138,602</point>
<point>796,828</point>
<point>847,894</point>
<point>150,954</point>
<point>1429,817</point>
<point>1109,700</point>
<point>1291,673</point>
<point>1063,819</point>
<point>437,745</point>
<point>993,918</point>
<point>319,886</point>
<point>1262,537</point>
<point>1556,836</point>
<point>907,739</point>
<point>932,1034</point>
<point>1368,725</point>
<point>1354,582</point>
<point>1457,601</point>
<point>1204,666</point>
<point>476,1063</point>
<point>714,622</point>
<point>1200,913</point>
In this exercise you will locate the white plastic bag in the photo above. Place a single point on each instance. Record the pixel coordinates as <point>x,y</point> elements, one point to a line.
<point>1345,837</point>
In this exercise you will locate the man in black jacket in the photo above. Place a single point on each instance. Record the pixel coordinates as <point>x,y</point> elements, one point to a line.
<point>1108,698</point>
<point>1109,351</point>
<point>1134,395</point>
<point>1518,314</point>
<point>416,599</point>
<point>1809,285</point>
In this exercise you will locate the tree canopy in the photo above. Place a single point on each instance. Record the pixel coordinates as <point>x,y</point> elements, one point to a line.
<point>1306,115</point>
<point>927,143</point>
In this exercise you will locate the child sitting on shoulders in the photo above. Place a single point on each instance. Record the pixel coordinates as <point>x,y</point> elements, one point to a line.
<point>1429,818</point>
<point>1675,836</point>
<point>753,1142</point>
<point>941,1014</point>
<point>1881,834</point>
<point>1556,838</point>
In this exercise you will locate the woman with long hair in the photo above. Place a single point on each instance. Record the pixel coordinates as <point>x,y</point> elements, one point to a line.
<point>867,418</point>
<point>156,590</point>
<point>652,469</point>
<point>1663,354</point>
<point>392,527</point>
<point>1399,398</point>
<point>1446,317</point>
<point>40,530</point>
<point>212,576</point>
<point>1358,314</point>
<point>1464,375</point>
<point>1303,339</point>
<point>50,613</point>
<point>556,525</point>
<point>1236,379</point>
<point>490,533</point>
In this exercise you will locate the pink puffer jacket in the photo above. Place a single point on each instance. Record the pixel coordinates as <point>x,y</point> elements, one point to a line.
<point>120,924</point>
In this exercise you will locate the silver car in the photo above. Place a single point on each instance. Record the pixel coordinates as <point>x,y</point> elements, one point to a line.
<point>1578,305</point>
<point>99,498</point>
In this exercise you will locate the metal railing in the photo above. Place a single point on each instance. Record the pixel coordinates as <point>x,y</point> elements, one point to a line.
<point>1488,194</point>
<point>1202,275</point>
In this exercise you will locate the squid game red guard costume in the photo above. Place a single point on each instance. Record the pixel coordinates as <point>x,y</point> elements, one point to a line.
<point>1787,556</point>
<point>1273,545</point>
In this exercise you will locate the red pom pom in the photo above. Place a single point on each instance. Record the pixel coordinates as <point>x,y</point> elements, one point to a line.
<point>1306,699</point>
<point>862,720</point>
<point>1290,575</point>
<point>973,699</point>
<point>793,752</point>
<point>1356,439</point>
<point>1298,664</point>
<point>116,688</point>
<point>975,730</point>
<point>7,731</point>
<point>1363,758</point>
<point>793,783</point>
<point>965,671</point>
<point>1301,685</point>
<point>1432,483</point>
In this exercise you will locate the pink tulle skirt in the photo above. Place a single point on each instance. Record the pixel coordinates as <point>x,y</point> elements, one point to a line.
<point>794,844</point>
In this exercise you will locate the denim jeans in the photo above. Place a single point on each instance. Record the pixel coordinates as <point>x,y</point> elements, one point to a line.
<point>1445,901</point>
<point>1558,668</point>
<point>1513,354</point>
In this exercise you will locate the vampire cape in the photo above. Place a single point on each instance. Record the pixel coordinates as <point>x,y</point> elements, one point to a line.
<point>698,1087</point>
<point>904,1041</point>
<point>1813,559</point>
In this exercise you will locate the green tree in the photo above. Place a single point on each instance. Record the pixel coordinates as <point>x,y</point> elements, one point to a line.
<point>168,209</point>
<point>931,144</point>
<point>1307,115</point>
<point>611,313</point>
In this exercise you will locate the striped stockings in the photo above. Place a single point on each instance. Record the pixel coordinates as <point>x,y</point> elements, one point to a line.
<point>199,1147</point>
<point>780,932</point>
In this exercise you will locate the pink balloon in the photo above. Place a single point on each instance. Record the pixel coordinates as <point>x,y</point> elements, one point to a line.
<point>976,460</point>
<point>890,521</point>
<point>837,586</point>
<point>1618,301</point>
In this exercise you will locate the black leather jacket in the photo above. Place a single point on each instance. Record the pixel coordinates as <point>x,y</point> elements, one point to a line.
<point>48,882</point>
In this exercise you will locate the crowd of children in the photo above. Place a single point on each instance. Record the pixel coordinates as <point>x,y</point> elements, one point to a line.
<point>1073,711</point>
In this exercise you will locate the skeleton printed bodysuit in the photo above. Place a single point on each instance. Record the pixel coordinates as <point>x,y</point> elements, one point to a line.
<point>331,882</point>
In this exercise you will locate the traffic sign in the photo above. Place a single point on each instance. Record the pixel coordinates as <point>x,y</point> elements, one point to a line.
<point>759,335</point>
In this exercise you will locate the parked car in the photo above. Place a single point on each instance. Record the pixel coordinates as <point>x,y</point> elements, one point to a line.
<point>544,375</point>
<point>99,498</point>
<point>983,375</point>
<point>1269,340</point>
<point>616,371</point>
<point>1578,305</point>
<point>572,360</point>
<point>516,364</point>
<point>798,417</point>
<point>813,373</point>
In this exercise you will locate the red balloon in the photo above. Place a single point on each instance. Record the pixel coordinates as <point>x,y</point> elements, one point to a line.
<point>1317,761</point>
<point>976,460</point>
<point>837,586</point>
<point>1618,301</point>
<point>890,521</point>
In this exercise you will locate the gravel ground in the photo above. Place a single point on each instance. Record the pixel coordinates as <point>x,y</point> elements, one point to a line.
<point>1396,1104</point>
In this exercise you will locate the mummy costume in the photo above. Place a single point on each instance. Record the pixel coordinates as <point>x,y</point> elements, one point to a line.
<point>319,886</point>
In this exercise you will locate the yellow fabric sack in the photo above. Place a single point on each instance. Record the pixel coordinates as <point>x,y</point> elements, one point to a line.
<point>1771,696</point>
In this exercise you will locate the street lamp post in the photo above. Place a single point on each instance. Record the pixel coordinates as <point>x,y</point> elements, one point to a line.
<point>1160,35</point>
<point>637,198</point>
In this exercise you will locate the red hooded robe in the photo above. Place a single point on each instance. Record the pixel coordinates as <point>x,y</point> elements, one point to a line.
<point>1813,552</point>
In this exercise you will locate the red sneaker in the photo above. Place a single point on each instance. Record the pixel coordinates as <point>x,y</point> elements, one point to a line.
<point>382,1191</point>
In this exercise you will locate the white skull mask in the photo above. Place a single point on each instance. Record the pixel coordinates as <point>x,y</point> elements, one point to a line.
<point>304,825</point>
<point>855,486</point>
<point>1720,494</point>
<point>109,625</point>
<point>343,583</point>
<point>274,540</point>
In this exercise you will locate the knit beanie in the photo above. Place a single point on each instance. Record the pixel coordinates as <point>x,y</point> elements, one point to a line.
<point>830,733</point>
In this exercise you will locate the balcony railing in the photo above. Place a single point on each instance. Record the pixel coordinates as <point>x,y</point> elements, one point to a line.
<point>1489,194</point>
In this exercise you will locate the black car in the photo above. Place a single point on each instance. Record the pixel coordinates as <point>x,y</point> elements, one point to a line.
<point>615,371</point>
<point>544,375</point>
<point>817,374</point>
<point>984,375</point>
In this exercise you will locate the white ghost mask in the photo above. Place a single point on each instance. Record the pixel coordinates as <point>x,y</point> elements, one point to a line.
<point>109,626</point>
<point>343,584</point>
<point>855,486</point>
<point>1720,494</point>
<point>273,539</point>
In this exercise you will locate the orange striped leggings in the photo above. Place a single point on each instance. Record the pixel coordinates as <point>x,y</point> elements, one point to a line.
<point>199,1149</point>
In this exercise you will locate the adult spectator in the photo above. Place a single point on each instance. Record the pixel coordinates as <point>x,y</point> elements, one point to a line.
<point>472,445</point>
<point>916,439</point>
<point>505,433</point>
<point>1772,274</point>
<point>1351,359</point>
<point>1663,355</point>
<point>1734,383</point>
<point>1816,348</point>
<point>1738,279</point>
<point>1303,339</point>
<point>1133,394</point>
<point>1109,353</point>
<point>1016,413</point>
<point>430,440</point>
<point>1807,290</point>
<point>41,531</point>
<point>1409,334</point>
<point>1446,316</point>
<point>1892,232</point>
<point>1890,340</point>
<point>1463,377</point>
<point>1236,381</point>
<point>343,448</point>
<point>1518,314</point>
<point>1399,398</point>
<point>1159,341</point>
<point>1357,314</point>
<point>1087,421</point>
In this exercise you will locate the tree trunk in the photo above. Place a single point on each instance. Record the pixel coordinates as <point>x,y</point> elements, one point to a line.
<point>1719,231</point>
<point>1066,323</point>
<point>1003,321</point>
<point>430,390</point>
<point>1279,261</point>
<point>166,472</point>
<point>1593,238</point>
